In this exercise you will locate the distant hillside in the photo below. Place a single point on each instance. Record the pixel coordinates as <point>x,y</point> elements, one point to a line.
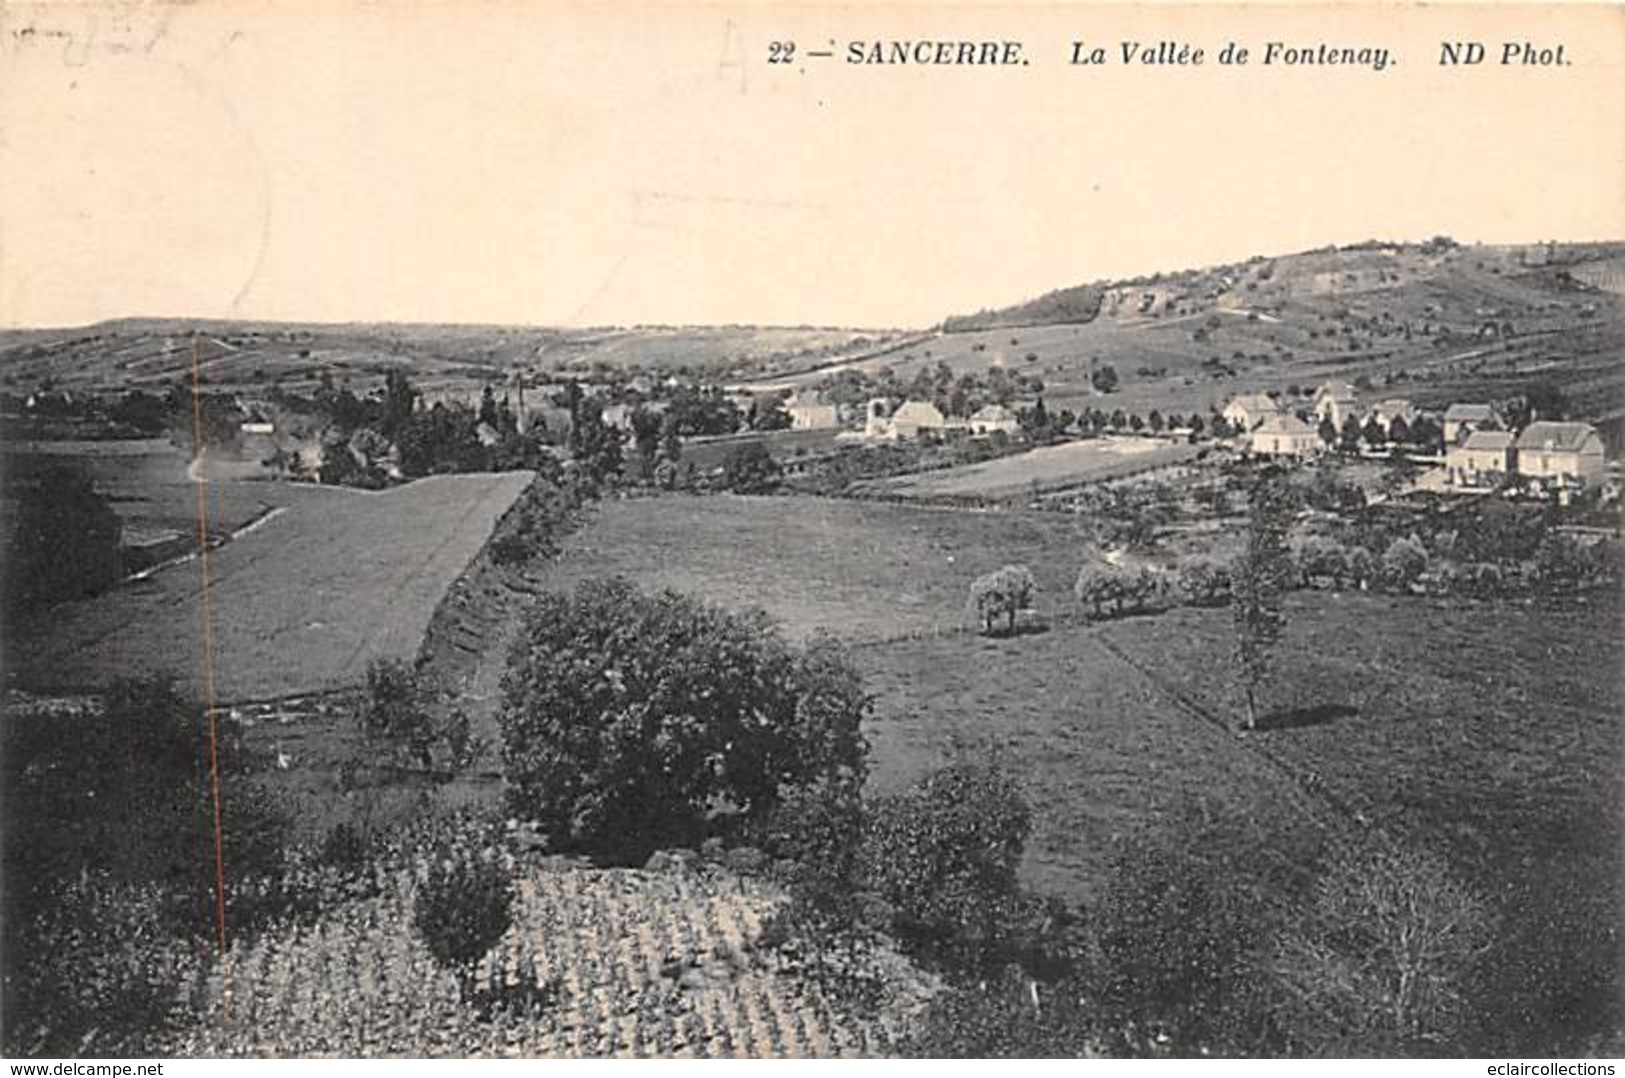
<point>1270,284</point>
<point>1435,322</point>
<point>150,352</point>
<point>1068,305</point>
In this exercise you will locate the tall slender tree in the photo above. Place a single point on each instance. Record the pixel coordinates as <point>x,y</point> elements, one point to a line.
<point>1259,580</point>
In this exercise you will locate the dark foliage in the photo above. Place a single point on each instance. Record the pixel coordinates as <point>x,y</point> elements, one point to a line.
<point>1184,930</point>
<point>62,543</point>
<point>1009,1016</point>
<point>463,906</point>
<point>750,469</point>
<point>944,856</point>
<point>634,722</point>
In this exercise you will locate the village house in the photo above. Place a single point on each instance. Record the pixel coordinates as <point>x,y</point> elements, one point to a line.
<point>914,417</point>
<point>1462,419</point>
<point>618,416</point>
<point>994,418</point>
<point>809,411</point>
<point>1335,401</point>
<point>1285,435</point>
<point>1385,412</point>
<point>1482,459</point>
<point>1560,454</point>
<point>1249,410</point>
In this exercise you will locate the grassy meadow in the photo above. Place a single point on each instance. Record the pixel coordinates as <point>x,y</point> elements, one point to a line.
<point>301,604</point>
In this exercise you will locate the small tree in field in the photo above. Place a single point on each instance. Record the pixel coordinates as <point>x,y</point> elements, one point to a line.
<point>1002,593</point>
<point>1404,562</point>
<point>462,908</point>
<point>1204,581</point>
<point>1258,581</point>
<point>751,469</point>
<point>1097,585</point>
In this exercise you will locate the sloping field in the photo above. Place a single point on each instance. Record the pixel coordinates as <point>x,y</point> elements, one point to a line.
<point>1487,719</point>
<point>301,604</point>
<point>863,571</point>
<point>145,482</point>
<point>630,964</point>
<point>1049,467</point>
<point>1099,750</point>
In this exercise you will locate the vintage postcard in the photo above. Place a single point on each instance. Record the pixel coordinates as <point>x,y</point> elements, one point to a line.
<point>713,529</point>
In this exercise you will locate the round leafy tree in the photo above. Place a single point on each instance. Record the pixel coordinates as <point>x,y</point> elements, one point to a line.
<point>463,906</point>
<point>633,722</point>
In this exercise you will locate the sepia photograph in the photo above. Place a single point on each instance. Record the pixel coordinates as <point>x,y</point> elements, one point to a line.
<point>923,530</point>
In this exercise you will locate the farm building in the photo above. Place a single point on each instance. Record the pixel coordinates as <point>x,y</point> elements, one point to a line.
<point>1482,458</point>
<point>993,418</point>
<point>1560,454</point>
<point>914,417</point>
<point>1249,410</point>
<point>1462,419</point>
<point>1335,401</point>
<point>1285,435</point>
<point>809,411</point>
<point>1385,412</point>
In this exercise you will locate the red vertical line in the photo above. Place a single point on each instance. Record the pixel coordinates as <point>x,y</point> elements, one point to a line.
<point>208,651</point>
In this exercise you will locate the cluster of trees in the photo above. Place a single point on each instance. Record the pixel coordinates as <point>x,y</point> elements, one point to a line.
<point>1099,421</point>
<point>108,894</point>
<point>372,441</point>
<point>1000,596</point>
<point>1422,433</point>
<point>959,395</point>
<point>1107,590</point>
<point>63,541</point>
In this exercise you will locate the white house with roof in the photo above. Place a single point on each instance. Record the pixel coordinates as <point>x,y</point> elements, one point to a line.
<point>1560,454</point>
<point>1482,459</point>
<point>993,419</point>
<point>1462,419</point>
<point>1249,410</point>
<point>1285,435</point>
<point>915,417</point>
<point>1336,401</point>
<point>809,411</point>
<point>1385,412</point>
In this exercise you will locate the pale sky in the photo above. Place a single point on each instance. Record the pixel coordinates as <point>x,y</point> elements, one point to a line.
<point>543,163</point>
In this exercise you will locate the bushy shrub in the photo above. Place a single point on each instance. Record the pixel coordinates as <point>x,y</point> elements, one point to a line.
<point>1204,581</point>
<point>463,906</point>
<point>1385,961</point>
<point>751,469</point>
<point>62,541</point>
<point>399,709</point>
<point>634,722</point>
<point>1322,559</point>
<point>1404,562</point>
<point>1001,594</point>
<point>1010,1016</point>
<point>1184,930</point>
<point>944,856</point>
<point>99,971</point>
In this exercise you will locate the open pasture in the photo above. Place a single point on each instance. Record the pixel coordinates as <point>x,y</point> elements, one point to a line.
<point>1487,730</point>
<point>1410,712</point>
<point>301,604</point>
<point>863,571</point>
<point>145,482</point>
<point>1046,468</point>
